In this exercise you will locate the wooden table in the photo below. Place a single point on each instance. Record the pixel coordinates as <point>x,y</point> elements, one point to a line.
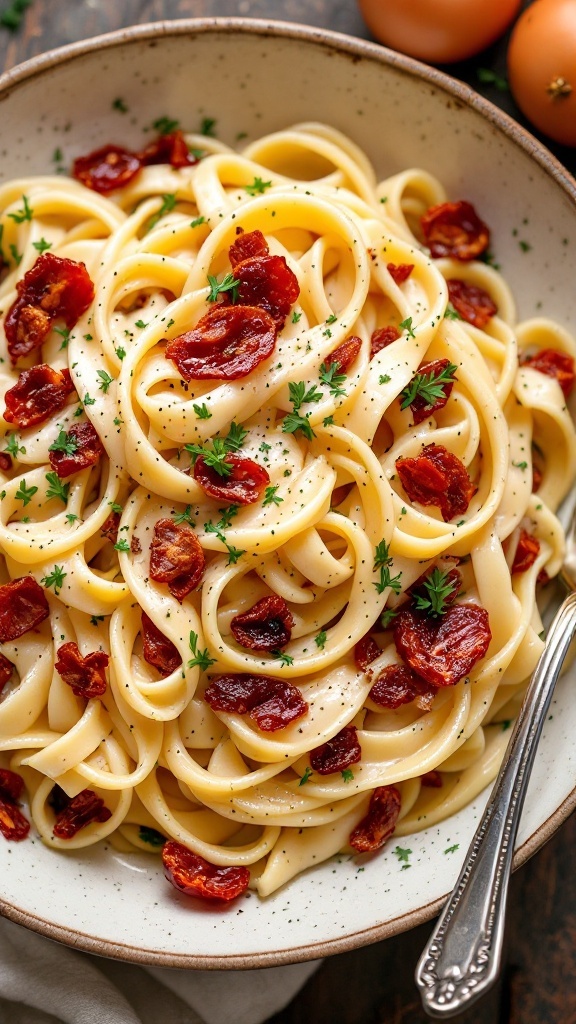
<point>375,985</point>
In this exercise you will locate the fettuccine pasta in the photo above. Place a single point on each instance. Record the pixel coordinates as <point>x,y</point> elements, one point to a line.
<point>280,475</point>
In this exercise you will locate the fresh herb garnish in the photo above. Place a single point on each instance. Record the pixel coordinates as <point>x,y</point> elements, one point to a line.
<point>383,561</point>
<point>105,381</point>
<point>406,325</point>
<point>55,579</point>
<point>215,457</point>
<point>184,517</point>
<point>42,245</point>
<point>26,213</point>
<point>299,396</point>
<point>439,587</point>
<point>228,284</point>
<point>64,443</point>
<point>286,659</point>
<point>207,126</point>
<point>270,496</point>
<point>428,386</point>
<point>258,187</point>
<point>320,639</point>
<point>24,493</point>
<point>347,774</point>
<point>56,489</point>
<point>168,204</point>
<point>489,77</point>
<point>122,545</point>
<point>200,658</point>
<point>151,836</point>
<point>306,776</point>
<point>13,447</point>
<point>165,125</point>
<point>333,379</point>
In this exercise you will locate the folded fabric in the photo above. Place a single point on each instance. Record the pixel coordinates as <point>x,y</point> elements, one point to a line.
<point>44,982</point>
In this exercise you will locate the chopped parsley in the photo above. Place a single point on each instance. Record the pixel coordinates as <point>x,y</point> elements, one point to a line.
<point>215,457</point>
<point>406,325</point>
<point>320,639</point>
<point>165,125</point>
<point>119,105</point>
<point>197,222</point>
<point>402,854</point>
<point>387,617</point>
<point>207,126</point>
<point>42,245</point>
<point>438,589</point>
<point>383,561</point>
<point>299,396</point>
<point>347,774</point>
<point>26,213</point>
<point>55,579</point>
<point>184,517</point>
<point>295,316</point>
<point>168,204</point>
<point>451,314</point>
<point>489,77</point>
<point>64,443</point>
<point>25,494</point>
<point>452,849</point>
<point>151,836</point>
<point>270,496</point>
<point>122,545</point>
<point>333,379</point>
<point>200,658</point>
<point>13,447</point>
<point>56,489</point>
<point>202,411</point>
<point>428,386</point>
<point>286,659</point>
<point>258,187</point>
<point>105,381</point>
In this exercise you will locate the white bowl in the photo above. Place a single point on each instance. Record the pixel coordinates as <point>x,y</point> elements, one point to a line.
<point>255,77</point>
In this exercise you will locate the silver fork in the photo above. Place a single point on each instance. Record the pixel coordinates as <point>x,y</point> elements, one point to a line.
<point>462,957</point>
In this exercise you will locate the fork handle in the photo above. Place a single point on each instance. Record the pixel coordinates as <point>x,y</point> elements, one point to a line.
<point>462,957</point>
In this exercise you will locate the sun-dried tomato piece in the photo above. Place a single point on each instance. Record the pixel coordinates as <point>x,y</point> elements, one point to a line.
<point>23,606</point>
<point>345,354</point>
<point>474,304</point>
<point>554,364</point>
<point>432,779</point>
<point>13,824</point>
<point>437,477</point>
<point>195,876</point>
<point>445,649</point>
<point>6,670</point>
<point>227,343</point>
<point>168,149</point>
<point>527,552</point>
<point>85,675</point>
<point>378,825</point>
<point>247,245</point>
<point>106,169</point>
<point>271,703</point>
<point>157,649</point>
<point>396,685</point>
<point>5,462</point>
<point>38,393</point>
<point>82,810</point>
<point>381,338</point>
<point>455,229</point>
<point>244,484</point>
<point>267,282</point>
<point>176,557</point>
<point>338,753</point>
<point>109,528</point>
<point>11,784</point>
<point>422,409</point>
<point>267,626</point>
<point>55,288</point>
<point>399,272</point>
<point>366,651</point>
<point>84,448</point>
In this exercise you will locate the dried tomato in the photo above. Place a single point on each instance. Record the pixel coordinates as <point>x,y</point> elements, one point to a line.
<point>158,650</point>
<point>85,675</point>
<point>23,606</point>
<point>421,409</point>
<point>396,685</point>
<point>244,484</point>
<point>399,272</point>
<point>6,670</point>
<point>267,626</point>
<point>366,651</point>
<point>437,477</point>
<point>271,703</point>
<point>554,364</point>
<point>378,825</point>
<point>195,876</point>
<point>168,149</point>
<point>227,343</point>
<point>84,449</point>
<point>267,282</point>
<point>473,304</point>
<point>345,354</point>
<point>338,753</point>
<point>527,552</point>
<point>106,169</point>
<point>443,650</point>
<point>11,784</point>
<point>109,527</point>
<point>381,338</point>
<point>432,779</point>
<point>5,462</point>
<point>38,393</point>
<point>247,245</point>
<point>82,810</point>
<point>55,288</point>
<point>176,557</point>
<point>13,824</point>
<point>455,229</point>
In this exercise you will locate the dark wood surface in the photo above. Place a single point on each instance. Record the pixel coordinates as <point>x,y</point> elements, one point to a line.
<point>374,985</point>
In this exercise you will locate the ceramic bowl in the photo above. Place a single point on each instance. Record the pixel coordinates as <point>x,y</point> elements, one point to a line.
<point>255,77</point>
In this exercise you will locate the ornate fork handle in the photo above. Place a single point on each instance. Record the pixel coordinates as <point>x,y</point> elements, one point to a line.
<point>462,957</point>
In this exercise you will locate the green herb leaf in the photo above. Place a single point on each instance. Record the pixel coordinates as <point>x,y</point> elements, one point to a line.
<point>55,579</point>
<point>165,125</point>
<point>320,639</point>
<point>406,325</point>
<point>451,314</point>
<point>347,774</point>
<point>151,836</point>
<point>228,284</point>
<point>258,187</point>
<point>42,245</point>
<point>428,386</point>
<point>330,376</point>
<point>196,223</point>
<point>296,316</point>
<point>64,443</point>
<point>200,658</point>
<point>122,545</point>
<point>382,561</point>
<point>168,203</point>
<point>57,489</point>
<point>286,659</point>
<point>306,776</point>
<point>438,588</point>
<point>88,400</point>
<point>13,447</point>
<point>26,213</point>
<point>489,77</point>
<point>403,855</point>
<point>184,517</point>
<point>270,496</point>
<point>452,849</point>
<point>119,105</point>
<point>25,494</point>
<point>207,126</point>
<point>105,381</point>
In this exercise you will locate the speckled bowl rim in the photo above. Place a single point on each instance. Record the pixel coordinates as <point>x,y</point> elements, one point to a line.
<point>357,49</point>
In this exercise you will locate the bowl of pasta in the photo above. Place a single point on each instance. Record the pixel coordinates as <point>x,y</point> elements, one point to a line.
<point>284,382</point>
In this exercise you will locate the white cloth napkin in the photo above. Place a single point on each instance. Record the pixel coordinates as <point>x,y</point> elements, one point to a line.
<point>44,982</point>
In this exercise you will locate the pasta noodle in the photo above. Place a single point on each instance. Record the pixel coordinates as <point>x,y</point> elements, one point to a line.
<point>317,595</point>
